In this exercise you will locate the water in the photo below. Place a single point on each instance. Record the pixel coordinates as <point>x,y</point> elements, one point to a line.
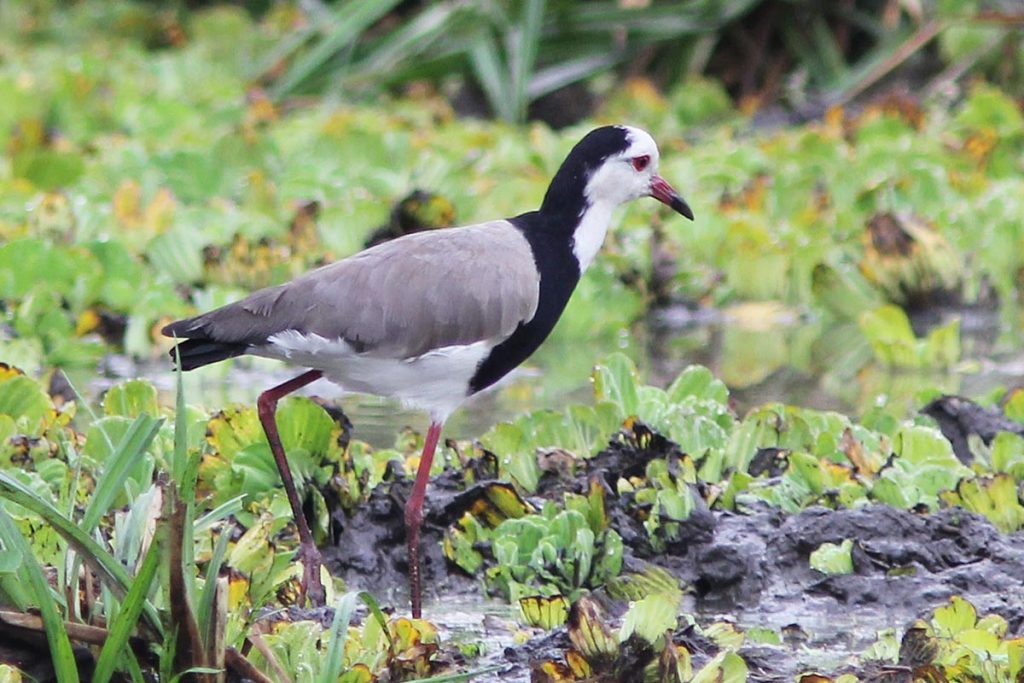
<point>764,353</point>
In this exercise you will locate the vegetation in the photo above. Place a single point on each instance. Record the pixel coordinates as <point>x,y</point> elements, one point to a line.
<point>158,160</point>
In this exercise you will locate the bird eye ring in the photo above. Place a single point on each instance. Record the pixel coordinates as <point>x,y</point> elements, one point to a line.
<point>640,162</point>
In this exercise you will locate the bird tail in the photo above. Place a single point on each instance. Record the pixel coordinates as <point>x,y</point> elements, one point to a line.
<point>196,348</point>
<point>195,353</point>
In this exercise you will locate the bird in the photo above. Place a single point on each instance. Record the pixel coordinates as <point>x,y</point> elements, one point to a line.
<point>431,318</point>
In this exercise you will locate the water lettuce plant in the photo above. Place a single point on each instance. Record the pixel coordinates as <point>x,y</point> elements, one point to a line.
<point>132,186</point>
<point>174,555</point>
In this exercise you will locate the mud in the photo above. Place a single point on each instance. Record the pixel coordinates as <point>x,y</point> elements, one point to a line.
<point>959,418</point>
<point>751,568</point>
<point>369,550</point>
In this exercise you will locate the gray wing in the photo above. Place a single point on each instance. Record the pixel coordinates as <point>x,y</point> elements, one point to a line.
<point>399,299</point>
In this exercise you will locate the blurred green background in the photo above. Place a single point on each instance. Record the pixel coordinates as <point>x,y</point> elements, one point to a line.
<point>855,167</point>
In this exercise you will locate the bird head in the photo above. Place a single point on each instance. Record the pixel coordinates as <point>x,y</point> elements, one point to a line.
<point>613,165</point>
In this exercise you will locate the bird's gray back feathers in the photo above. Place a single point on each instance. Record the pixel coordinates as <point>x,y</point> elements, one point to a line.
<point>399,299</point>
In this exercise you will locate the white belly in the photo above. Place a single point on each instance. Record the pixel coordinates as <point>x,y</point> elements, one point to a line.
<point>437,381</point>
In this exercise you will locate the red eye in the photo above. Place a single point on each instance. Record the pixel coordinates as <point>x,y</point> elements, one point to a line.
<point>640,162</point>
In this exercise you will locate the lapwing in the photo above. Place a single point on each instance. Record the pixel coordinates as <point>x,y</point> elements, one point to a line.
<point>435,317</point>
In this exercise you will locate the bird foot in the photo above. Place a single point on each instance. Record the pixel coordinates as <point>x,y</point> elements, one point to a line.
<point>311,586</point>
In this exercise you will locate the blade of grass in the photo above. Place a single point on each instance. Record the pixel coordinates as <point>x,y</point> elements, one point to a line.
<point>487,67</point>
<point>12,591</point>
<point>378,614</point>
<point>180,460</point>
<point>553,77</point>
<point>829,54</point>
<point>132,529</point>
<point>338,635</point>
<point>109,570</point>
<point>61,654</point>
<point>414,37</point>
<point>222,511</point>
<point>658,21</point>
<point>522,46</point>
<point>124,624</point>
<point>350,20</point>
<point>133,446</point>
<point>455,678</point>
<point>205,608</point>
<point>884,59</point>
<point>134,670</point>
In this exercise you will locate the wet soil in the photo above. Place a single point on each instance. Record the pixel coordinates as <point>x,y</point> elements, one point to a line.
<point>749,567</point>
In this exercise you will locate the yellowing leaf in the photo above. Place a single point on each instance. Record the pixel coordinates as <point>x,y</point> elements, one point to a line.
<point>544,612</point>
<point>950,620</point>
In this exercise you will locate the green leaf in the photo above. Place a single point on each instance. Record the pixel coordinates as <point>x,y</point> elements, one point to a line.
<point>349,21</point>
<point>956,617</point>
<point>61,654</point>
<point>99,560</point>
<point>615,381</point>
<point>699,382</point>
<point>48,169</point>
<point>23,397</point>
<point>131,398</point>
<point>118,467</point>
<point>833,558</point>
<point>888,330</point>
<point>544,612</point>
<point>337,637</point>
<point>650,618</point>
<point>125,623</point>
<point>725,667</point>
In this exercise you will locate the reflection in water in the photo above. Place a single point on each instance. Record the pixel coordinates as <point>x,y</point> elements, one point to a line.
<point>764,354</point>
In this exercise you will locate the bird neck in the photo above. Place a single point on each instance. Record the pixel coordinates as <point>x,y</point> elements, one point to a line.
<point>574,217</point>
<point>558,267</point>
<point>590,231</point>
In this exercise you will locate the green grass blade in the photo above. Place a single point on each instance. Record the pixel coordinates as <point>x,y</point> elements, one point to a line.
<point>204,609</point>
<point>658,21</point>
<point>61,654</point>
<point>378,614</point>
<point>12,590</point>
<point>222,511</point>
<point>557,76</point>
<point>131,532</point>
<point>110,571</point>
<point>456,678</point>
<point>124,624</point>
<point>133,446</point>
<point>134,670</point>
<point>523,45</point>
<point>487,67</point>
<point>433,25</point>
<point>338,636</point>
<point>180,460</point>
<point>350,20</point>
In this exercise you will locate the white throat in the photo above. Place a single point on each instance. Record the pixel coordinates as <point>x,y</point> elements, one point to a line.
<point>589,234</point>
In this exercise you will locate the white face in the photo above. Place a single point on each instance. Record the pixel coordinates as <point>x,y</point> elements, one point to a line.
<point>626,176</point>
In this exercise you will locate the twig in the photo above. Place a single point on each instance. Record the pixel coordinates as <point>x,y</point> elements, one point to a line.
<point>268,654</point>
<point>188,651</point>
<point>242,666</point>
<point>82,633</point>
<point>906,49</point>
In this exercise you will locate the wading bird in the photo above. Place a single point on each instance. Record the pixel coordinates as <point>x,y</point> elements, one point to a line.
<point>433,317</point>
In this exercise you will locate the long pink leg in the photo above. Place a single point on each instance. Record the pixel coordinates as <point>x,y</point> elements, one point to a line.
<point>414,515</point>
<point>309,555</point>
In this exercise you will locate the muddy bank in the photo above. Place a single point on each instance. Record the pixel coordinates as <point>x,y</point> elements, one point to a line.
<point>751,568</point>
